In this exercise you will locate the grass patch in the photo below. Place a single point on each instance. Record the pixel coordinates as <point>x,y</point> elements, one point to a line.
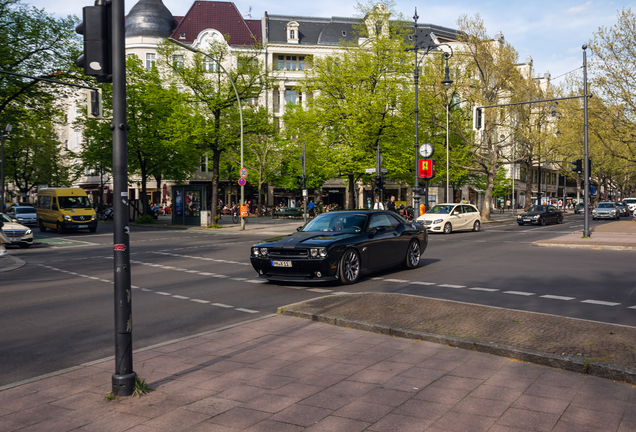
<point>141,387</point>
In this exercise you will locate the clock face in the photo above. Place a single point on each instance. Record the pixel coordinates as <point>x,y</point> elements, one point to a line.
<point>427,150</point>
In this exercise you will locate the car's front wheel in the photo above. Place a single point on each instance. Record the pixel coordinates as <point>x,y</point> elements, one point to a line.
<point>413,255</point>
<point>560,220</point>
<point>543,221</point>
<point>477,226</point>
<point>448,228</point>
<point>41,225</point>
<point>349,267</point>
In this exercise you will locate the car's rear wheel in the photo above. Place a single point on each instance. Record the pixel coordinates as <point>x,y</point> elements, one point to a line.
<point>448,228</point>
<point>477,226</point>
<point>41,225</point>
<point>413,255</point>
<point>349,267</point>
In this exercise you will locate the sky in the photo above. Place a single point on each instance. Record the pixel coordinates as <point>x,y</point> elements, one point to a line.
<point>551,33</point>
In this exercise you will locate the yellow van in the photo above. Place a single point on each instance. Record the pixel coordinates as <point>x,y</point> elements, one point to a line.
<point>65,208</point>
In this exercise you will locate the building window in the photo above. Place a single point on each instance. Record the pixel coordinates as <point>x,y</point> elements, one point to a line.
<point>292,34</point>
<point>522,173</point>
<point>291,62</point>
<point>204,164</point>
<point>210,66</point>
<point>292,97</point>
<point>182,36</point>
<point>344,33</point>
<point>151,58</point>
<point>177,61</point>
<point>247,64</point>
<point>66,144</point>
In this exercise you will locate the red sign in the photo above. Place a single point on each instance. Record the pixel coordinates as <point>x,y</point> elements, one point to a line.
<point>426,168</point>
<point>120,247</point>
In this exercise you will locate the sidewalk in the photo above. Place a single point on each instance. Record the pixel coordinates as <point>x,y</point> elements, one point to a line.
<point>619,235</point>
<point>283,374</point>
<point>8,262</point>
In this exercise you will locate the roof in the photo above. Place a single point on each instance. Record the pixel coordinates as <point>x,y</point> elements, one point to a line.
<point>221,16</point>
<point>150,18</point>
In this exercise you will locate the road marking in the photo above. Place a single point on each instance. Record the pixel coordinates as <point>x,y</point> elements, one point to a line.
<point>222,305</point>
<point>421,283</point>
<point>246,310</point>
<point>521,293</point>
<point>484,289</point>
<point>632,307</point>
<point>320,290</point>
<point>238,279</point>
<point>599,302</point>
<point>452,286</point>
<point>200,258</point>
<point>162,293</point>
<point>181,297</point>
<point>395,280</point>
<point>554,297</point>
<point>199,301</point>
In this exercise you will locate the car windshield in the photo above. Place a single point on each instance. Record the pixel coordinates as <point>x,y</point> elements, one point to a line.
<point>621,204</point>
<point>630,200</point>
<point>337,222</point>
<point>538,208</point>
<point>6,218</point>
<point>606,205</point>
<point>442,209</point>
<point>24,210</point>
<point>74,202</point>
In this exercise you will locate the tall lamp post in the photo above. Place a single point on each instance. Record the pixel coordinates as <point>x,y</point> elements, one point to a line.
<point>238,101</point>
<point>2,136</point>
<point>416,77</point>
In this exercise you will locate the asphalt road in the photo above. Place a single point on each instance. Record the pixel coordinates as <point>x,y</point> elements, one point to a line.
<point>57,311</point>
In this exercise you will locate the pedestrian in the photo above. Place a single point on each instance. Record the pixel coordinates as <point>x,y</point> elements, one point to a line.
<point>391,204</point>
<point>378,205</point>
<point>508,204</point>
<point>311,208</point>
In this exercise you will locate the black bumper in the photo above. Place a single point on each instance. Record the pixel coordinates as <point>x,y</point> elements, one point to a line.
<point>302,270</point>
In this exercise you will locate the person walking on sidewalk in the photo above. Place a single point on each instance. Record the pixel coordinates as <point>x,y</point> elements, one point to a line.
<point>378,205</point>
<point>391,204</point>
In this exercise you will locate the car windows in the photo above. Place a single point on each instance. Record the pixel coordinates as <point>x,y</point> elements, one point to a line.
<point>469,209</point>
<point>6,218</point>
<point>552,209</point>
<point>394,221</point>
<point>25,210</point>
<point>380,220</point>
<point>74,202</point>
<point>441,209</point>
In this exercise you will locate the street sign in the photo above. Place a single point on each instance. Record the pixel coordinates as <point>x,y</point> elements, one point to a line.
<point>242,181</point>
<point>372,170</point>
<point>304,192</point>
<point>426,168</point>
<point>243,172</point>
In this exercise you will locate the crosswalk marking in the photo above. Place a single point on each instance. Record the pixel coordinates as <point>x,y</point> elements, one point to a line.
<point>521,293</point>
<point>555,297</point>
<point>599,302</point>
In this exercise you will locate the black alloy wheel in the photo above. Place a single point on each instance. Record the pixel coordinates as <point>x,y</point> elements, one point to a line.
<point>349,267</point>
<point>543,221</point>
<point>413,255</point>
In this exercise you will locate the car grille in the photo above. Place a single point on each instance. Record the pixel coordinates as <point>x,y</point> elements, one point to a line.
<point>288,253</point>
<point>427,222</point>
<point>81,218</point>
<point>14,233</point>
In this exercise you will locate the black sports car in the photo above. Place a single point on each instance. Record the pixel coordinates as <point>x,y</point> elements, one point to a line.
<point>341,246</point>
<point>541,214</point>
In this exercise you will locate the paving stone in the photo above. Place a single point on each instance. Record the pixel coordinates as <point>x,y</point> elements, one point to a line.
<point>482,407</point>
<point>270,403</point>
<point>496,393</point>
<point>551,392</point>
<point>422,409</point>
<point>400,423</point>
<point>454,421</point>
<point>388,397</point>
<point>364,411</point>
<point>531,420</point>
<point>596,419</point>
<point>541,404</point>
<point>442,395</point>
<point>301,415</point>
<point>273,426</point>
<point>338,424</point>
<point>239,418</point>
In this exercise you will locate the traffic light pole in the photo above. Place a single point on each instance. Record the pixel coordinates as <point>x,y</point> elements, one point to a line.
<point>123,380</point>
<point>586,173</point>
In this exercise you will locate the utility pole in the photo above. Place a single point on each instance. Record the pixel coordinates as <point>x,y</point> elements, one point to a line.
<point>586,173</point>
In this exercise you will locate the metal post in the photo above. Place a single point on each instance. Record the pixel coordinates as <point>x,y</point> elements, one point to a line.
<point>2,173</point>
<point>586,180</point>
<point>416,77</point>
<point>302,192</point>
<point>447,156</point>
<point>123,380</point>
<point>514,212</point>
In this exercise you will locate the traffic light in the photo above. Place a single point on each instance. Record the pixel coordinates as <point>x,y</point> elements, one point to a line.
<point>301,181</point>
<point>588,168</point>
<point>578,166</point>
<point>94,104</point>
<point>478,118</point>
<point>379,183</point>
<point>96,29</point>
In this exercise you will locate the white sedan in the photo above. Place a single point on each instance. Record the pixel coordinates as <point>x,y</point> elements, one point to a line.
<point>451,217</point>
<point>16,233</point>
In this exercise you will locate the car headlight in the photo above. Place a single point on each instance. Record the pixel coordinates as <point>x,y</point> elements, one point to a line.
<point>19,218</point>
<point>519,216</point>
<point>318,252</point>
<point>536,216</point>
<point>264,252</point>
<point>67,218</point>
<point>436,221</point>
<point>256,251</point>
<point>94,217</point>
<point>28,232</point>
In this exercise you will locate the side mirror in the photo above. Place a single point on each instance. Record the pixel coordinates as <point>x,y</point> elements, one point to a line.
<point>299,228</point>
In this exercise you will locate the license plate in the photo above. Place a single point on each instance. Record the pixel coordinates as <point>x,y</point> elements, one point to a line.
<point>82,226</point>
<point>281,263</point>
<point>527,220</point>
<point>15,239</point>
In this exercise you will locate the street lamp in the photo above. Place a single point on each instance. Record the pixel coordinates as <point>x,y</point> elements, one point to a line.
<point>238,100</point>
<point>2,136</point>
<point>447,83</point>
<point>416,76</point>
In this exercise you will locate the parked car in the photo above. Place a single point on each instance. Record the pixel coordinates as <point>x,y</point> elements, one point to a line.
<point>631,203</point>
<point>341,246</point>
<point>16,233</point>
<point>580,208</point>
<point>22,204</point>
<point>541,215</point>
<point>623,208</point>
<point>606,210</point>
<point>23,214</point>
<point>451,217</point>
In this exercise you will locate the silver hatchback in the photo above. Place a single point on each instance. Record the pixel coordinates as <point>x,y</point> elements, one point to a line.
<point>606,210</point>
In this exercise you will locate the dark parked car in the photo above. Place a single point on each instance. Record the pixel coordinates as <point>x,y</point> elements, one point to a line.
<point>541,214</point>
<point>341,246</point>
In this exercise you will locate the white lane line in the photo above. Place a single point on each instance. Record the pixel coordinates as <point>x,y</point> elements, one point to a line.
<point>162,293</point>
<point>201,258</point>
<point>319,290</point>
<point>422,283</point>
<point>599,302</point>
<point>555,297</point>
<point>256,281</point>
<point>238,279</point>
<point>246,310</point>
<point>207,274</point>
<point>222,305</point>
<point>377,278</point>
<point>395,280</point>
<point>452,286</point>
<point>199,301</point>
<point>521,293</point>
<point>632,307</point>
<point>484,289</point>
<point>181,297</point>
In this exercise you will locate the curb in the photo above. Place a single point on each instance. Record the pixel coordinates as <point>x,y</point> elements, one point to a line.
<point>585,246</point>
<point>597,369</point>
<point>17,263</point>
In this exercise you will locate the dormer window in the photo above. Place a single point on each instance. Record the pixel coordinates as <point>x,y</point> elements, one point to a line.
<point>344,33</point>
<point>293,35</point>
<point>182,36</point>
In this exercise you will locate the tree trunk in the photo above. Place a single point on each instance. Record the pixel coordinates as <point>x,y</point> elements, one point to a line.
<point>528,202</point>
<point>350,192</point>
<point>490,182</point>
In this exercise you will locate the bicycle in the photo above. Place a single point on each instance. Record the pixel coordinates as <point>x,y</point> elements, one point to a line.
<point>235,216</point>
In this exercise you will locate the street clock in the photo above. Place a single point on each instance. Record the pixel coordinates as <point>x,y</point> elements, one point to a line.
<point>427,150</point>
